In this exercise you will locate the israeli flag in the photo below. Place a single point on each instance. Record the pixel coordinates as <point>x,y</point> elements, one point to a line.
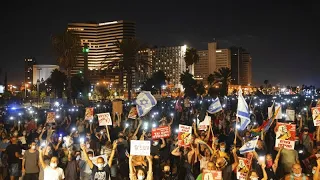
<point>145,102</point>
<point>249,146</point>
<point>243,111</point>
<point>215,106</point>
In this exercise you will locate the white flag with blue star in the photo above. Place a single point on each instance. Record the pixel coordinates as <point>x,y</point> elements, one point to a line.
<point>249,146</point>
<point>215,106</point>
<point>243,111</point>
<point>144,102</point>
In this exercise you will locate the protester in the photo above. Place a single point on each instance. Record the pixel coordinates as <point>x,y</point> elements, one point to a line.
<point>30,163</point>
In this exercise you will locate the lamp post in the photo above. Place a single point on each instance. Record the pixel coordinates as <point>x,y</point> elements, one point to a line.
<point>38,91</point>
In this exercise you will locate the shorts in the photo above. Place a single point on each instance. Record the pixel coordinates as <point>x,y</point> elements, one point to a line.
<point>14,170</point>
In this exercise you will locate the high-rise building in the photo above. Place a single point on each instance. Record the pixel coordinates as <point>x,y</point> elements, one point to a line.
<point>223,58</point>
<point>42,72</point>
<point>207,62</point>
<point>241,66</point>
<point>144,70</point>
<point>101,39</point>
<point>171,61</point>
<point>28,70</point>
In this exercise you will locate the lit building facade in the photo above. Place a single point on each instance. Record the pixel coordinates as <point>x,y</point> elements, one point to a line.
<point>42,72</point>
<point>28,70</point>
<point>241,66</point>
<point>101,39</point>
<point>171,61</point>
<point>207,63</point>
<point>144,71</point>
<point>223,58</point>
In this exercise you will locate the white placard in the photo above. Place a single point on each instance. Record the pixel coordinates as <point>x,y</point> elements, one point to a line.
<point>104,119</point>
<point>140,148</point>
<point>290,115</point>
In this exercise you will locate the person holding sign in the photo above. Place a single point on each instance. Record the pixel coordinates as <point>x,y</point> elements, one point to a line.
<point>140,173</point>
<point>296,173</point>
<point>101,171</point>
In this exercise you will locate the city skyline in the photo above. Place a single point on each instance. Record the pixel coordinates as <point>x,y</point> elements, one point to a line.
<point>279,37</point>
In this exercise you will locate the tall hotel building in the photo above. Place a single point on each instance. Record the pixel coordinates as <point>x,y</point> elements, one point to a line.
<point>28,70</point>
<point>171,61</point>
<point>101,39</point>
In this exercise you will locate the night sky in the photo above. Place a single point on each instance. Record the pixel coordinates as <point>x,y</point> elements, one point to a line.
<point>283,38</point>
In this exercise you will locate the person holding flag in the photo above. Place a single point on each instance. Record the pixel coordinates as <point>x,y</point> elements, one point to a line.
<point>243,111</point>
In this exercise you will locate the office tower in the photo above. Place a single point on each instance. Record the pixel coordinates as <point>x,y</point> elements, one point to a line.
<point>223,58</point>
<point>101,39</point>
<point>207,63</point>
<point>144,71</point>
<point>28,70</point>
<point>241,66</point>
<point>171,61</point>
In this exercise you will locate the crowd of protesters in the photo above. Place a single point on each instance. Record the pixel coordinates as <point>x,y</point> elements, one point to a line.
<point>68,149</point>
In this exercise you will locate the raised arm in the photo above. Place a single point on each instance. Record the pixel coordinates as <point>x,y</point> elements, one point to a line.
<point>176,152</point>
<point>115,144</point>
<point>276,161</point>
<point>86,158</point>
<point>206,139</point>
<point>265,175</point>
<point>43,165</point>
<point>150,173</point>
<point>195,130</point>
<point>235,157</point>
<point>316,175</point>
<point>163,143</point>
<point>136,131</point>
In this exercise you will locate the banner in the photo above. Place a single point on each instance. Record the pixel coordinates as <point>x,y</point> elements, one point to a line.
<point>243,168</point>
<point>89,114</point>
<point>279,115</point>
<point>204,124</point>
<point>140,148</point>
<point>211,175</point>
<point>117,107</point>
<point>104,119</point>
<point>161,132</point>
<point>133,113</point>
<point>290,115</point>
<point>285,135</point>
<point>316,116</point>
<point>51,117</point>
<point>184,136</point>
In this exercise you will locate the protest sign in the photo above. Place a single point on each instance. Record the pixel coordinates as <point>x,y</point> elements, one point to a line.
<point>211,175</point>
<point>184,136</point>
<point>316,116</point>
<point>89,114</point>
<point>243,168</point>
<point>161,132</point>
<point>51,117</point>
<point>133,113</point>
<point>104,119</point>
<point>285,135</point>
<point>205,123</point>
<point>116,108</point>
<point>140,148</point>
<point>279,115</point>
<point>290,115</point>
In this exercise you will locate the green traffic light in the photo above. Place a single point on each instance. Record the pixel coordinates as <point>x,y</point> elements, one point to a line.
<point>85,50</point>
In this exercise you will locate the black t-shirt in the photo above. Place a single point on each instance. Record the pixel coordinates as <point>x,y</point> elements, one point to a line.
<point>103,174</point>
<point>11,151</point>
<point>227,172</point>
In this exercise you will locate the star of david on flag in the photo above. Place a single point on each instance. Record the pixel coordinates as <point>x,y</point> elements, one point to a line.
<point>243,111</point>
<point>215,106</point>
<point>144,102</point>
<point>249,146</point>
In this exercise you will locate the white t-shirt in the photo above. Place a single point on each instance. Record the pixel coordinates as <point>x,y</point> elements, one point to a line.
<point>53,174</point>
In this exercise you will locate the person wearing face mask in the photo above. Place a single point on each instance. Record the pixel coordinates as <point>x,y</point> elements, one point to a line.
<point>30,163</point>
<point>253,175</point>
<point>100,171</point>
<point>272,166</point>
<point>166,173</point>
<point>209,166</point>
<point>140,173</point>
<point>296,173</point>
<point>289,157</point>
<point>122,148</point>
<point>85,171</point>
<point>222,165</point>
<point>72,168</point>
<point>14,153</point>
<point>51,172</point>
<point>306,139</point>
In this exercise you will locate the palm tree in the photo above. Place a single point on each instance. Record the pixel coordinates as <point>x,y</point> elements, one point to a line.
<point>159,79</point>
<point>211,79</point>
<point>223,75</point>
<point>129,62</point>
<point>191,57</point>
<point>67,47</point>
<point>188,83</point>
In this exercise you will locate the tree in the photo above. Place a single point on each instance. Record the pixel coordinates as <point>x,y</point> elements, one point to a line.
<point>103,91</point>
<point>34,94</point>
<point>43,96</point>
<point>188,83</point>
<point>67,47</point>
<point>129,62</point>
<point>223,75</point>
<point>57,80</point>
<point>200,89</point>
<point>77,86</point>
<point>211,79</point>
<point>159,79</point>
<point>191,57</point>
